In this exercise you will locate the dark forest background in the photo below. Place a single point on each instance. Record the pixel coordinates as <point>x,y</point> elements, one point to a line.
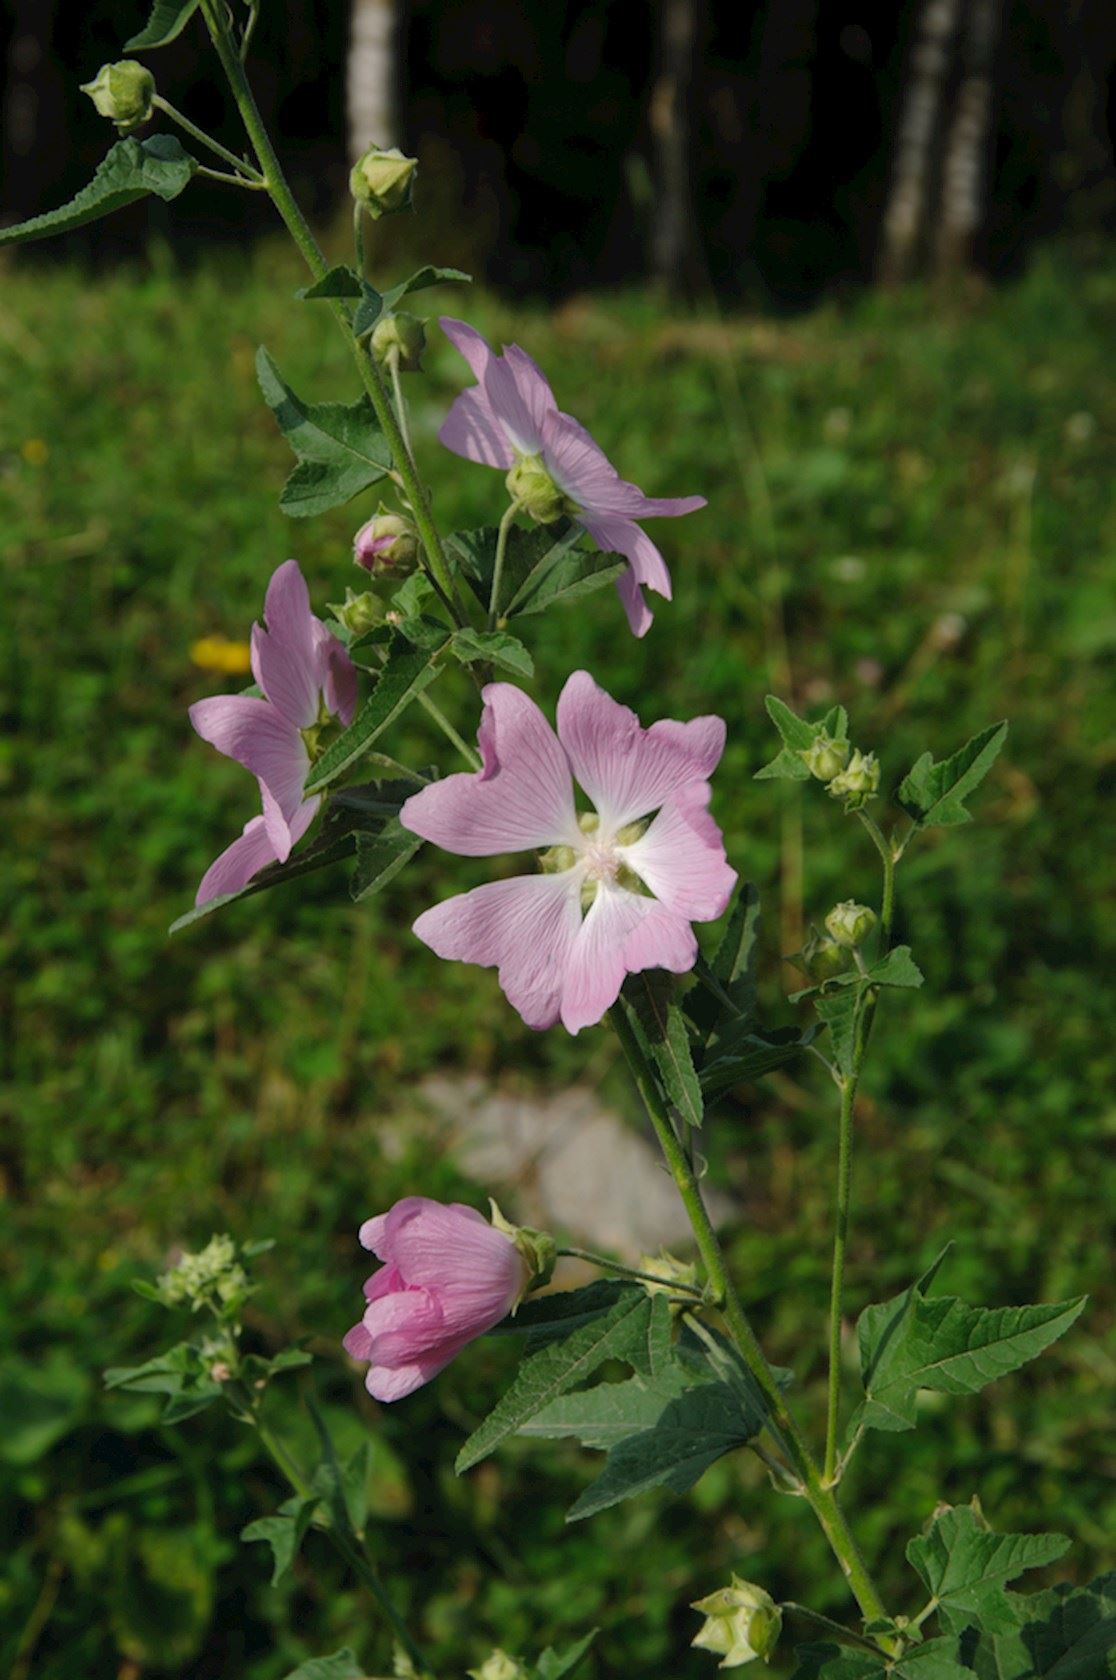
<point>591,142</point>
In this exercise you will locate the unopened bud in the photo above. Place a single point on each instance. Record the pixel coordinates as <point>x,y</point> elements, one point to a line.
<point>401,335</point>
<point>532,487</point>
<point>822,957</point>
<point>850,923</point>
<point>123,92</point>
<point>359,613</point>
<point>742,1622</point>
<point>538,1249</point>
<point>387,543</point>
<point>383,180</point>
<point>499,1666</point>
<point>825,757</point>
<point>858,781</point>
<point>669,1272</point>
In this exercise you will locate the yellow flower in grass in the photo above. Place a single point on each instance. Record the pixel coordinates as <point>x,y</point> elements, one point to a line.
<point>217,653</point>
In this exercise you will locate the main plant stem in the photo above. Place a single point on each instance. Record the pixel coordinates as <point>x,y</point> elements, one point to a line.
<point>820,1495</point>
<point>300,231</point>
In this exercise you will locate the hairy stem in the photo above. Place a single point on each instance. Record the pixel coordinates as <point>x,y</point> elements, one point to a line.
<point>498,565</point>
<point>633,1272</point>
<point>820,1496</point>
<point>300,231</point>
<point>207,140</point>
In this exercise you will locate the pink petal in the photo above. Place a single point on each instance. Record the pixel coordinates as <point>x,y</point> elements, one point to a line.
<point>335,674</point>
<point>468,342</point>
<point>628,771</point>
<point>237,863</point>
<point>682,857</point>
<point>532,386</point>
<point>623,933</point>
<point>464,1261</point>
<point>577,463</point>
<point>379,1232</point>
<point>639,614</point>
<point>387,1383</point>
<point>284,833</point>
<point>403,1325</point>
<point>255,734</point>
<point>285,655</point>
<point>518,400</point>
<point>621,535</point>
<point>525,927</point>
<point>472,429</point>
<point>522,798</point>
<point>357,1342</point>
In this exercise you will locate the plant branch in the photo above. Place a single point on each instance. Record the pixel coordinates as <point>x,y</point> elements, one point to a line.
<point>204,139</point>
<point>633,1272</point>
<point>506,524</point>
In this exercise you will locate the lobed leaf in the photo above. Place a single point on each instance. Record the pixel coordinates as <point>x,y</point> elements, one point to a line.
<point>798,736</point>
<point>935,1659</point>
<point>966,1566</point>
<point>934,794</point>
<point>167,21</point>
<point>132,169</point>
<point>839,1009</point>
<point>426,276</point>
<point>339,282</point>
<point>542,566</point>
<point>380,857</point>
<point>726,990</point>
<point>554,1665</point>
<point>494,647</point>
<point>340,447</point>
<point>284,1533</point>
<point>748,1055</point>
<point>660,1027</point>
<point>1065,1633</point>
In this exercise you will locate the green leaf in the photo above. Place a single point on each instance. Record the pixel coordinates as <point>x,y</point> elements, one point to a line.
<point>726,990</point>
<point>554,1665</point>
<point>622,1332</point>
<point>658,1023</point>
<point>167,21</point>
<point>798,736</point>
<point>342,1665</point>
<point>407,673</point>
<point>544,1317</point>
<point>934,794</point>
<point>339,282</point>
<point>420,280</point>
<point>1065,1633</point>
<point>40,1403</point>
<point>132,169</point>
<point>495,647</point>
<point>944,1345</point>
<point>542,566</point>
<point>838,1009</point>
<point>898,968</point>
<point>935,1659</point>
<point>743,1057</point>
<point>368,310</point>
<point>284,1533</point>
<point>966,1567</point>
<point>341,449</point>
<point>380,857</point>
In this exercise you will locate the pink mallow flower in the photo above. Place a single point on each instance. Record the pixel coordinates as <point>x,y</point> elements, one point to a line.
<point>617,893</point>
<point>306,677</point>
<point>510,419</point>
<point>448,1276</point>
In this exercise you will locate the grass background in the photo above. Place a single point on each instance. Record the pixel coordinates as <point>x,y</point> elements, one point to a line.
<point>921,487</point>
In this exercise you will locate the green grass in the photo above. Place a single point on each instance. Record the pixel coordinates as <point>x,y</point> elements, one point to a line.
<point>925,485</point>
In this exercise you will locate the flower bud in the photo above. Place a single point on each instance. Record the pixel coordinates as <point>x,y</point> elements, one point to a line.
<point>532,487</point>
<point>499,1666</point>
<point>742,1622</point>
<point>850,923</point>
<point>858,781</point>
<point>538,1248</point>
<point>825,757</point>
<point>672,1272</point>
<point>822,957</point>
<point>401,334</point>
<point>388,543</point>
<point>382,180</point>
<point>213,1278</point>
<point>359,613</point>
<point>124,92</point>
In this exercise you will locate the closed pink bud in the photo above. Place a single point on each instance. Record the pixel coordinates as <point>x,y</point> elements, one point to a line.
<point>448,1276</point>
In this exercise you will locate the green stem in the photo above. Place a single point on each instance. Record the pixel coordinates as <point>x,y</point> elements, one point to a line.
<point>498,565</point>
<point>471,757</point>
<point>207,140</point>
<point>300,231</point>
<point>629,1271</point>
<point>837,1285</point>
<point>231,180</point>
<point>361,1565</point>
<point>400,405</point>
<point>820,1496</point>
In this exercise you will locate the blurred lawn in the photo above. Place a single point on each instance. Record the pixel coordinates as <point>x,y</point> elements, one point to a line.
<point>928,484</point>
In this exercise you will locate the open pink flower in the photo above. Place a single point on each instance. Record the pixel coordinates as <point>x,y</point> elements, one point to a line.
<point>616,894</point>
<point>448,1276</point>
<point>510,419</point>
<point>306,676</point>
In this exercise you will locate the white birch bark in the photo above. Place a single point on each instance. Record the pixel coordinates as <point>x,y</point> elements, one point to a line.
<point>965,170</point>
<point>371,76</point>
<point>671,243</point>
<point>904,218</point>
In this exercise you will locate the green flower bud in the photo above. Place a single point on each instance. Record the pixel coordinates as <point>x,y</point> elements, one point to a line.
<point>403,334</point>
<point>825,756</point>
<point>538,1249</point>
<point>124,92</point>
<point>857,782</point>
<point>742,1622</point>
<point>850,923</point>
<point>532,487</point>
<point>672,1272</point>
<point>383,180</point>
<point>822,957</point>
<point>499,1666</point>
<point>359,613</point>
<point>213,1278</point>
<point>388,543</point>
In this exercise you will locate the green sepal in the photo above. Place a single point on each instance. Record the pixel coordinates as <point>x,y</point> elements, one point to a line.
<point>934,794</point>
<point>340,447</point>
<point>132,169</point>
<point>167,21</point>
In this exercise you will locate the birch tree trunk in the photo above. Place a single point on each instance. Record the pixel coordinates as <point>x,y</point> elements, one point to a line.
<point>965,170</point>
<point>372,76</point>
<point>672,238</point>
<point>905,216</point>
